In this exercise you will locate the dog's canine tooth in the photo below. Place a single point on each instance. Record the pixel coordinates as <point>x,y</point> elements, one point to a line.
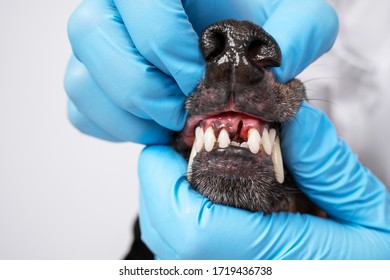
<point>199,139</point>
<point>278,161</point>
<point>209,139</point>
<point>190,161</point>
<point>266,142</point>
<point>272,135</point>
<point>254,140</point>
<point>223,139</point>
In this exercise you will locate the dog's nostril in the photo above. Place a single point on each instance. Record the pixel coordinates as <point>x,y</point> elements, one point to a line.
<point>263,54</point>
<point>214,46</point>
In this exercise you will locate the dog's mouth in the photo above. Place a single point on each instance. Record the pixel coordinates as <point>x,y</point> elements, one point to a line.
<point>233,137</point>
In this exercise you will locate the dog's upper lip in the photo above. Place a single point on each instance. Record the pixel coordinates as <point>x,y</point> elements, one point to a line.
<point>188,132</point>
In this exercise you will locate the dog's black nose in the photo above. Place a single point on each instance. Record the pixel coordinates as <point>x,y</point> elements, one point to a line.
<point>236,52</point>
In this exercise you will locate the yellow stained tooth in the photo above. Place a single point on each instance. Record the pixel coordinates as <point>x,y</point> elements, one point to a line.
<point>277,160</point>
<point>254,140</point>
<point>199,139</point>
<point>209,139</point>
<point>223,139</point>
<point>266,143</point>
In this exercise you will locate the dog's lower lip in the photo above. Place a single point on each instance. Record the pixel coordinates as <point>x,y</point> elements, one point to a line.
<point>234,151</point>
<point>231,161</point>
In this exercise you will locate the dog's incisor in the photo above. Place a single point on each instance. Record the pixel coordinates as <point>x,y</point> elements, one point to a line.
<point>232,136</point>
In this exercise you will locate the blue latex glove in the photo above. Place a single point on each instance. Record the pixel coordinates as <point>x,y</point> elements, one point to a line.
<point>135,61</point>
<point>178,223</point>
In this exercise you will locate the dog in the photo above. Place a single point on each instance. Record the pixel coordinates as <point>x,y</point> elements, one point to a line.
<point>231,139</point>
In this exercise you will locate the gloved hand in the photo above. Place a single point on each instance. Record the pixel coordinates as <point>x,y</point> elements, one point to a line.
<point>135,61</point>
<point>178,223</point>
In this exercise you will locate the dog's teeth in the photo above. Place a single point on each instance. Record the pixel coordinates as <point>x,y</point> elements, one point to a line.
<point>254,140</point>
<point>278,161</point>
<point>266,142</point>
<point>272,135</point>
<point>209,139</point>
<point>190,161</point>
<point>234,143</point>
<point>244,145</point>
<point>199,139</point>
<point>223,139</point>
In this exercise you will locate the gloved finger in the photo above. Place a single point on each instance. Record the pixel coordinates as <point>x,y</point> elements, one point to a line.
<point>151,235</point>
<point>164,36</point>
<point>84,125</point>
<point>177,222</point>
<point>330,173</point>
<point>202,13</point>
<point>101,42</point>
<point>89,99</point>
<point>304,30</point>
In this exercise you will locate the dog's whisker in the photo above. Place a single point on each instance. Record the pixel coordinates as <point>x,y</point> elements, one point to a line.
<point>323,100</point>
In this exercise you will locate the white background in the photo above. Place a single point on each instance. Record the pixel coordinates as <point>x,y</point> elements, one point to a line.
<point>63,195</point>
